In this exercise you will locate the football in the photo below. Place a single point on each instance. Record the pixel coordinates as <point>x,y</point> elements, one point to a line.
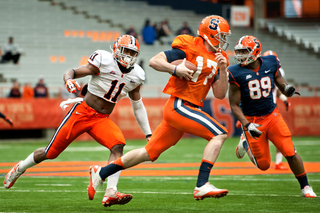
<point>189,65</point>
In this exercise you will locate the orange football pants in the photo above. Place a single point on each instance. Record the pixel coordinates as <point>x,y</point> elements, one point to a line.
<point>274,129</point>
<point>82,118</point>
<point>179,117</point>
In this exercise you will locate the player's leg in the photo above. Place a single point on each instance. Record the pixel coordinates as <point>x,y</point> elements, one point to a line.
<point>57,144</point>
<point>258,149</point>
<point>190,119</point>
<point>278,162</point>
<point>108,134</point>
<point>280,136</point>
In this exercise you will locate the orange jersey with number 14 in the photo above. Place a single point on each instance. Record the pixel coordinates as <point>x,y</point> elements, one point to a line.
<point>194,91</point>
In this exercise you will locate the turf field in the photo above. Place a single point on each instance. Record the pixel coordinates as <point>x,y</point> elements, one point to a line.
<point>165,186</point>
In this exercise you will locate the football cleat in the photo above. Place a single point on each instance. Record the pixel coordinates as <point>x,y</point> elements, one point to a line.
<point>308,192</point>
<point>280,166</point>
<point>95,181</point>
<point>112,197</point>
<point>208,190</point>
<point>242,147</point>
<point>12,176</point>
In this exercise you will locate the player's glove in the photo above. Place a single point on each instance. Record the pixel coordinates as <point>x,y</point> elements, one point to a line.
<point>287,104</point>
<point>9,120</point>
<point>290,90</point>
<point>253,131</point>
<point>72,86</point>
<point>148,137</point>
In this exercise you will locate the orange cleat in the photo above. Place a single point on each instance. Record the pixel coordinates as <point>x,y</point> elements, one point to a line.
<point>113,197</point>
<point>95,181</point>
<point>280,166</point>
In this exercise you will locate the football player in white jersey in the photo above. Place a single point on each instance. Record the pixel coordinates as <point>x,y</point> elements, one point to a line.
<point>113,76</point>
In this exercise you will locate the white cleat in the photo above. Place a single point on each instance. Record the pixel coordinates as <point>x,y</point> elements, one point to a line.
<point>95,181</point>
<point>308,192</point>
<point>12,176</point>
<point>208,190</point>
<point>242,147</point>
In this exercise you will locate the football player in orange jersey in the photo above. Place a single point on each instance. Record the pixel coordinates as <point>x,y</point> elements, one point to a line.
<point>276,94</point>
<point>182,113</point>
<point>252,80</point>
<point>113,76</point>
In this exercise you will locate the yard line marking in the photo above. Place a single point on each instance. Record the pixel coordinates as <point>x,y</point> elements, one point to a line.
<point>150,192</point>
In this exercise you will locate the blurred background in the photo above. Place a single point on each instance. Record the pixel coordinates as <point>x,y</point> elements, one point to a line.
<point>53,36</point>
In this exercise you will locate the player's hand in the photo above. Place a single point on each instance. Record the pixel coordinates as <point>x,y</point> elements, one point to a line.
<point>148,137</point>
<point>287,104</point>
<point>72,86</point>
<point>183,72</point>
<point>9,120</point>
<point>221,60</point>
<point>290,90</point>
<point>253,131</point>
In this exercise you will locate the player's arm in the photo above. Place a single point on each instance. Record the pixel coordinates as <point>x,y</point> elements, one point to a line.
<point>283,98</point>
<point>220,87</point>
<point>7,119</point>
<point>140,112</point>
<point>160,62</point>
<point>82,71</point>
<point>234,99</point>
<point>285,88</point>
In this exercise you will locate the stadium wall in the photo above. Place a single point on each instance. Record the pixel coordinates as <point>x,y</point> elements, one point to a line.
<point>303,117</point>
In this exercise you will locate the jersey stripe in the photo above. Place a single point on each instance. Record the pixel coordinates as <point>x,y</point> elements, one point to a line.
<point>197,117</point>
<point>61,125</point>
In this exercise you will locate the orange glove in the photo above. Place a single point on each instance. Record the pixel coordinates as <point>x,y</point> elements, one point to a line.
<point>72,85</point>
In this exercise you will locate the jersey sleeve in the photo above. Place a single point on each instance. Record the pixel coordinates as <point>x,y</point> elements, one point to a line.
<point>100,58</point>
<point>278,65</point>
<point>231,77</point>
<point>183,42</point>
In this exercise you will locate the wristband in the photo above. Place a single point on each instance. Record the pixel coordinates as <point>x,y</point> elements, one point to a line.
<point>148,135</point>
<point>175,70</point>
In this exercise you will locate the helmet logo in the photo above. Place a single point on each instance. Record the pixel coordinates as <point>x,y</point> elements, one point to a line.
<point>214,23</point>
<point>256,42</point>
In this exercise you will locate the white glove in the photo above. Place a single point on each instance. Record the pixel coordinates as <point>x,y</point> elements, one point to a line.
<point>253,131</point>
<point>65,104</point>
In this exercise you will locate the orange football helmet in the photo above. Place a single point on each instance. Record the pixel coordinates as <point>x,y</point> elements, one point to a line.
<point>270,52</point>
<point>253,47</point>
<point>215,29</point>
<point>126,50</point>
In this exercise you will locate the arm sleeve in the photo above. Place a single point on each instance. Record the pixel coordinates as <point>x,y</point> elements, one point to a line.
<point>140,113</point>
<point>175,54</point>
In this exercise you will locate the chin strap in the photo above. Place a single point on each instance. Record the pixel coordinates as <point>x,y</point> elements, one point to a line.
<point>140,113</point>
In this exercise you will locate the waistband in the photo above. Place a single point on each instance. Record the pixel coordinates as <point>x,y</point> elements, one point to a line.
<point>254,119</point>
<point>93,112</point>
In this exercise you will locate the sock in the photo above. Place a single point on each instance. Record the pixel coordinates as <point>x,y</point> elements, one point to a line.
<point>27,163</point>
<point>112,168</point>
<point>303,180</point>
<point>113,180</point>
<point>204,172</point>
<point>278,157</point>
